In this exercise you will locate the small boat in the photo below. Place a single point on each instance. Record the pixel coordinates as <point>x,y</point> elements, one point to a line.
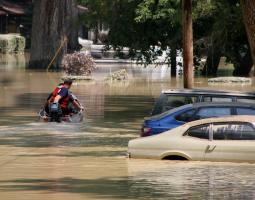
<point>76,116</point>
<point>72,118</point>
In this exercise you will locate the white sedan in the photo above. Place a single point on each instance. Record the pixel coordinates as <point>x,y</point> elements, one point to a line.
<point>215,139</point>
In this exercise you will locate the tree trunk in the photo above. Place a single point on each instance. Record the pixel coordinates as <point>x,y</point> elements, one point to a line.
<point>248,9</point>
<point>212,62</point>
<point>243,65</point>
<point>187,43</point>
<point>53,22</point>
<point>173,55</point>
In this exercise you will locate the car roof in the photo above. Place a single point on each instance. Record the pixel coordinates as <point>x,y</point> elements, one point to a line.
<point>200,105</point>
<point>207,92</point>
<point>224,104</point>
<point>237,118</point>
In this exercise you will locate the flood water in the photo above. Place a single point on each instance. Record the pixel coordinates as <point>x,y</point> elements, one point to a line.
<point>87,160</point>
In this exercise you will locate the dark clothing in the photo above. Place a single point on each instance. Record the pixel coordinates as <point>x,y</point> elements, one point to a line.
<point>65,111</point>
<point>63,92</point>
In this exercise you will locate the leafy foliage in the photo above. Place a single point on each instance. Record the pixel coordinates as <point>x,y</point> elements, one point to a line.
<point>148,27</point>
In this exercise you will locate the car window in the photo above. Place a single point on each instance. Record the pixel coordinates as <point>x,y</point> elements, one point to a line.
<point>243,100</point>
<point>158,107</point>
<point>201,132</point>
<point>245,111</point>
<point>217,99</point>
<point>212,112</point>
<point>177,101</point>
<point>233,131</point>
<point>186,116</point>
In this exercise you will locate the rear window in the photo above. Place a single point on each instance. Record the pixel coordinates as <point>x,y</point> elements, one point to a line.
<point>201,132</point>
<point>186,116</point>
<point>168,102</point>
<point>217,99</point>
<point>169,112</point>
<point>171,102</point>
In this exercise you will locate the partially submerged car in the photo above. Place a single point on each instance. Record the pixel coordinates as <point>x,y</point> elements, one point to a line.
<point>170,99</point>
<point>191,112</point>
<point>213,139</point>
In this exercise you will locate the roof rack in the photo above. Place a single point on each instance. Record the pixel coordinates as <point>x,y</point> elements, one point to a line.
<point>205,92</point>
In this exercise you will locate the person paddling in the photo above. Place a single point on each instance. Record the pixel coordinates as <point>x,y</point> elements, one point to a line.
<point>60,99</point>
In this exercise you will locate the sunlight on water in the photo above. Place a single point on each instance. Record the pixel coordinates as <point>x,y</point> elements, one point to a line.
<point>87,160</point>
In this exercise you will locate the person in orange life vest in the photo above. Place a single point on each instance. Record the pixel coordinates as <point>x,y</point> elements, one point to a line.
<point>62,97</point>
<point>50,99</point>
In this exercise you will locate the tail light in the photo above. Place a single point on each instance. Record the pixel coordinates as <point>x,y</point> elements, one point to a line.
<point>146,131</point>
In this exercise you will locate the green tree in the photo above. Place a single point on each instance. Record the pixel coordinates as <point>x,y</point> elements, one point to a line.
<point>224,36</point>
<point>145,25</point>
<point>99,14</point>
<point>165,15</point>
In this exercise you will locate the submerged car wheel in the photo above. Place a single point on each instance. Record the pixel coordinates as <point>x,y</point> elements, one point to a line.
<point>174,157</point>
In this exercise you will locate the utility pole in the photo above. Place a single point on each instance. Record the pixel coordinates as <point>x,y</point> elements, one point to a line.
<point>188,75</point>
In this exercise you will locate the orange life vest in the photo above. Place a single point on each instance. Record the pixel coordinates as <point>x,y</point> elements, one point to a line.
<point>64,101</point>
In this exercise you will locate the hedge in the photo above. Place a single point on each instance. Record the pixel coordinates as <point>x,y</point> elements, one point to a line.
<point>12,43</point>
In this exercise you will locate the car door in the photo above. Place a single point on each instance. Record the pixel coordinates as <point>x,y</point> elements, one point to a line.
<point>231,142</point>
<point>196,141</point>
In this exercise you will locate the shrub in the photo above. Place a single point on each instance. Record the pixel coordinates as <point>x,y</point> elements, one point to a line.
<point>11,43</point>
<point>78,64</point>
<point>7,43</point>
<point>21,43</point>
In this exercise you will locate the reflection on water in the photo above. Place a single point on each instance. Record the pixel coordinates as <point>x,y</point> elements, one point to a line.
<point>194,180</point>
<point>87,161</point>
<point>13,61</point>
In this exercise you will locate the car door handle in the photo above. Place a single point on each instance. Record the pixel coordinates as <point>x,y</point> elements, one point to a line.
<point>210,148</point>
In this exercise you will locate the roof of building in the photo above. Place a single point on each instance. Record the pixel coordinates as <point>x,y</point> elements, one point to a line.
<point>2,12</point>
<point>7,7</point>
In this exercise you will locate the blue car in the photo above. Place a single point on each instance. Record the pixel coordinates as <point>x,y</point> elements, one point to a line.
<point>191,112</point>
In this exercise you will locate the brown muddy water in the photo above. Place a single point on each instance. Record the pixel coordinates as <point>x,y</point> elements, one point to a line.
<point>87,160</point>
